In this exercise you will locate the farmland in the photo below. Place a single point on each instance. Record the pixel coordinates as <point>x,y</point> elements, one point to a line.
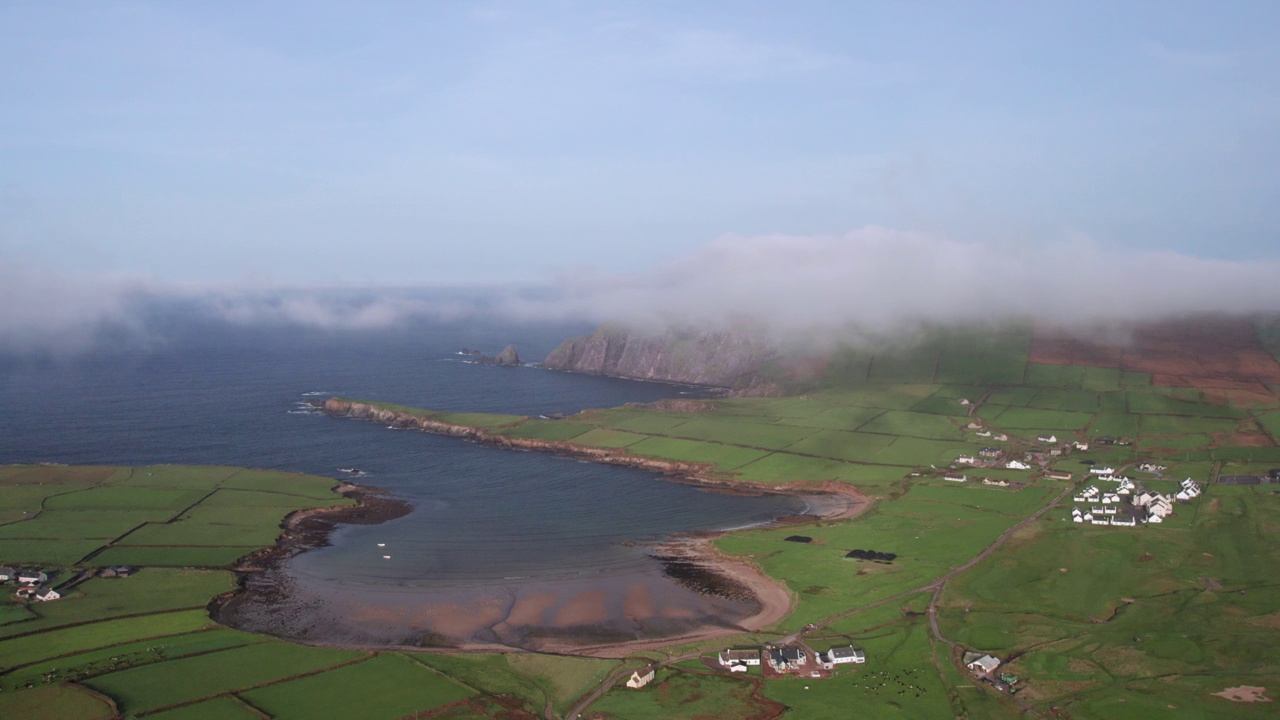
<point>1097,622</point>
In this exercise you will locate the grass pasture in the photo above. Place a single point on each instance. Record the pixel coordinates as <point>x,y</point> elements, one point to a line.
<point>190,679</point>
<point>391,687</point>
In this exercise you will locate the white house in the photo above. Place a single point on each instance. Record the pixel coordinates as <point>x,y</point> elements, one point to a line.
<point>1080,445</point>
<point>1000,437</point>
<point>964,401</point>
<point>641,677</point>
<point>1109,510</point>
<point>842,655</point>
<point>967,460</point>
<point>1154,518</point>
<point>1125,521</point>
<point>983,433</point>
<point>1047,438</point>
<point>1017,465</point>
<point>7,573</point>
<point>32,577</point>
<point>731,657</point>
<point>973,426</point>
<point>786,658</point>
<point>1058,475</point>
<point>984,665</point>
<point>955,477</point>
<point>1088,517</point>
<point>1076,516</point>
<point>1099,521</point>
<point>1095,470</point>
<point>47,595</point>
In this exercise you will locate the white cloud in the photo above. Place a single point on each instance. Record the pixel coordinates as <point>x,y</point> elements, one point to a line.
<point>878,279</point>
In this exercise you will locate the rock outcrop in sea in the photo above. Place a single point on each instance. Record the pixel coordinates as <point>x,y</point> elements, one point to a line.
<point>507,358</point>
<point>738,362</point>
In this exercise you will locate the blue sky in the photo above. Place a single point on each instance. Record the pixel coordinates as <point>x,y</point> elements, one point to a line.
<point>427,143</point>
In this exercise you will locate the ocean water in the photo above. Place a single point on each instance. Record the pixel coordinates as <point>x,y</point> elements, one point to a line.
<point>485,520</point>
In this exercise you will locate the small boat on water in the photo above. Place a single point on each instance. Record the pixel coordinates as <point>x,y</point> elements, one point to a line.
<point>349,471</point>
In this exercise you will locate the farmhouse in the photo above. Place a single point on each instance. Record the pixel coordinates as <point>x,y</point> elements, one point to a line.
<point>1017,465</point>
<point>1125,521</point>
<point>1001,437</point>
<point>641,677</point>
<point>1081,446</point>
<point>1058,475</point>
<point>1076,516</point>
<point>47,595</point>
<point>32,577</point>
<point>786,658</point>
<point>989,452</point>
<point>973,426</point>
<point>956,477</point>
<point>1095,470</point>
<point>997,483</point>
<point>983,433</point>
<point>1150,467</point>
<point>981,664</point>
<point>729,657</point>
<point>964,401</point>
<point>842,655</point>
<point>967,460</point>
<point>1047,438</point>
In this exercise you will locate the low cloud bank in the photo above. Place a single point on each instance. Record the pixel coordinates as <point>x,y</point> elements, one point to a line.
<point>880,281</point>
<point>874,281</point>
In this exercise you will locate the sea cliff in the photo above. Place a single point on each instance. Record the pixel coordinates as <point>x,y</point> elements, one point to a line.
<point>736,362</point>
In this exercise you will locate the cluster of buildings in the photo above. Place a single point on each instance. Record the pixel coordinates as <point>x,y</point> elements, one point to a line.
<point>32,584</point>
<point>1129,503</point>
<point>788,658</point>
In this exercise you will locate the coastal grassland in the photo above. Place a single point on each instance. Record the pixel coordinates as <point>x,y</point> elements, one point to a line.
<point>81,665</point>
<point>535,679</point>
<point>789,468</point>
<point>222,707</point>
<point>724,457</point>
<point>842,445</point>
<point>1102,618</point>
<point>158,515</point>
<point>56,702</point>
<point>553,430</point>
<point>677,693</point>
<point>602,438</point>
<point>914,424</point>
<point>929,535</point>
<point>391,686</point>
<point>194,678</point>
<point>903,682</point>
<point>27,649</point>
<point>149,590</point>
<point>146,642</point>
<point>719,429</point>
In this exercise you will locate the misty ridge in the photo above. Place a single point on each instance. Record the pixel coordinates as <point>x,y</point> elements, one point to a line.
<point>871,286</point>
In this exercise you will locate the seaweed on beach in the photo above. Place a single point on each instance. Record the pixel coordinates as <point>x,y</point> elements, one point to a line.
<point>701,577</point>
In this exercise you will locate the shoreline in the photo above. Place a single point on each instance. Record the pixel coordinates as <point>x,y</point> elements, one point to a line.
<point>845,501</point>
<point>308,529</point>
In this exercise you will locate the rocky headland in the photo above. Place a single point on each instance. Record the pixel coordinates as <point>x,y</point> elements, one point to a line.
<point>741,364</point>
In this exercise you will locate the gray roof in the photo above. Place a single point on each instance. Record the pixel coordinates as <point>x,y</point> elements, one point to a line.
<point>845,652</point>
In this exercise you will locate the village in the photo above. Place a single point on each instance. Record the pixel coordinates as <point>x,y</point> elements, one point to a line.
<point>1128,505</point>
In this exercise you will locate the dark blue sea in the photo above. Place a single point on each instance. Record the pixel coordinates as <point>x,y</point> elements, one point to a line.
<point>214,393</point>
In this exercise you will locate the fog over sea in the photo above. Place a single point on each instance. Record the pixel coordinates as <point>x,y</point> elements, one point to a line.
<point>214,393</point>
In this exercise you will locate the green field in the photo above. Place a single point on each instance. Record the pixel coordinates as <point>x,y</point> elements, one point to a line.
<point>1096,622</point>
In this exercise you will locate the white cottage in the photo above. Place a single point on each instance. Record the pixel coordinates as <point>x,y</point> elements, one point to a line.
<point>641,677</point>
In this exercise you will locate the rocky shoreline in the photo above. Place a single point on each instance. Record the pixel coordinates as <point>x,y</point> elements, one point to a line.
<point>304,530</point>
